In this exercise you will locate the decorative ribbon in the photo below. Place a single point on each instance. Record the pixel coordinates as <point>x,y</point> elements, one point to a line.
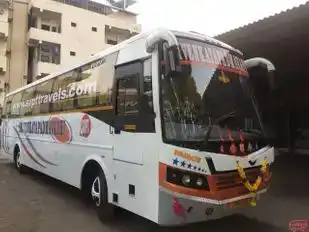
<point>233,148</point>
<point>242,142</point>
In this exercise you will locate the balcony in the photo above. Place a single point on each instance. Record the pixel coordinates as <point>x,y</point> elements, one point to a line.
<point>132,28</point>
<point>36,35</point>
<point>44,67</point>
<point>115,35</point>
<point>4,29</point>
<point>3,61</point>
<point>5,3</point>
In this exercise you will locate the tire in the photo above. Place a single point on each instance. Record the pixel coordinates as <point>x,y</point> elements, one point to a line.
<point>19,166</point>
<point>99,195</point>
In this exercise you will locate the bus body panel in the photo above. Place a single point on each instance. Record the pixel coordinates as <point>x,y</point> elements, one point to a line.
<point>65,162</point>
<point>130,160</point>
<point>126,158</point>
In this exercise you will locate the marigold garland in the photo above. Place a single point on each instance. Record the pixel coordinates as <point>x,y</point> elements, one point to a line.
<point>255,186</point>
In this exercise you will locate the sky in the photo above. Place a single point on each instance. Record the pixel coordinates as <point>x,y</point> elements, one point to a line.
<point>210,17</point>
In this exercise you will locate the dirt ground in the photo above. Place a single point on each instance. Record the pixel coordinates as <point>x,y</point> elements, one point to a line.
<point>36,203</point>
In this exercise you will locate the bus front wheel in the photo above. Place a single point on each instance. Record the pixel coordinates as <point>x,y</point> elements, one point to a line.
<point>18,164</point>
<point>99,195</point>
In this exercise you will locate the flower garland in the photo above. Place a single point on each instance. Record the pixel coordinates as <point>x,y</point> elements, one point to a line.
<point>254,187</point>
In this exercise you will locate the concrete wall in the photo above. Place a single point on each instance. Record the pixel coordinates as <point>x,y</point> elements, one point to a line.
<point>18,44</point>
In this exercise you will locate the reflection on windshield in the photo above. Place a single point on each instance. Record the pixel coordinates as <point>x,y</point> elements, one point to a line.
<point>208,101</point>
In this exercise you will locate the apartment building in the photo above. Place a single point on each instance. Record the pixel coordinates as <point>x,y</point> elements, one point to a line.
<point>5,19</point>
<point>37,37</point>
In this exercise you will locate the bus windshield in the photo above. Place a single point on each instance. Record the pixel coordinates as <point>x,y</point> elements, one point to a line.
<point>210,99</point>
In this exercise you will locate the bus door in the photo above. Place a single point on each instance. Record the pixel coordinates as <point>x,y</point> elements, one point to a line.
<point>134,117</point>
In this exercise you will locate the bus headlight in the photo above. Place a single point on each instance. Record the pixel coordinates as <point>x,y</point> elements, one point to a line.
<point>199,182</point>
<point>186,180</point>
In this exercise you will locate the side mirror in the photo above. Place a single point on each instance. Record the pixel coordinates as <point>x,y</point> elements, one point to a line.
<point>266,64</point>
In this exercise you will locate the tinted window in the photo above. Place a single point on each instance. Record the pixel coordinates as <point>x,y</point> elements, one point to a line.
<point>64,89</point>
<point>97,79</point>
<point>42,92</point>
<point>8,106</point>
<point>88,79</point>
<point>16,104</point>
<point>106,80</point>
<point>147,99</point>
<point>127,96</point>
<point>29,101</point>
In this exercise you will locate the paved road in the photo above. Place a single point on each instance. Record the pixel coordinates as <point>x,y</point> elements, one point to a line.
<point>36,203</point>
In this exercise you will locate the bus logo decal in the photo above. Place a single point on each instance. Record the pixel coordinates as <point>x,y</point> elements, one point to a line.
<point>85,126</point>
<point>63,133</point>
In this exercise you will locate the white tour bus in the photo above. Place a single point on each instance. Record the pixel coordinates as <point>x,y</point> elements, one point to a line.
<point>165,125</point>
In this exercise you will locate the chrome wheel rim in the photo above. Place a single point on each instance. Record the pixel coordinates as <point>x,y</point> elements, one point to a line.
<point>96,191</point>
<point>18,161</point>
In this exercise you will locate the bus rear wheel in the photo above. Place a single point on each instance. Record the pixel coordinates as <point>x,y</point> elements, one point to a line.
<point>99,195</point>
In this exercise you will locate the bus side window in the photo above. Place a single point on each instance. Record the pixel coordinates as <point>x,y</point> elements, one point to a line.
<point>127,96</point>
<point>42,92</point>
<point>100,75</point>
<point>67,84</point>
<point>30,102</point>
<point>16,105</point>
<point>146,93</point>
<point>8,105</point>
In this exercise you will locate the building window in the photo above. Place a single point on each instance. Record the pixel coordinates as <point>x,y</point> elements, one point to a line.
<point>94,29</point>
<point>73,24</point>
<point>45,27</point>
<point>72,53</point>
<point>49,52</point>
<point>54,29</point>
<point>112,42</point>
<point>45,58</point>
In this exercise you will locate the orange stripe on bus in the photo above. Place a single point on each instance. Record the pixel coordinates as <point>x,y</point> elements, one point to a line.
<point>212,194</point>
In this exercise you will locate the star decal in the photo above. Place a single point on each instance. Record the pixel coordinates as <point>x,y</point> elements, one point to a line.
<point>189,166</point>
<point>194,167</point>
<point>183,163</point>
<point>199,169</point>
<point>175,161</point>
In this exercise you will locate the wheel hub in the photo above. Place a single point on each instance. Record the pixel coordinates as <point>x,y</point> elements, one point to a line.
<point>96,191</point>
<point>18,161</point>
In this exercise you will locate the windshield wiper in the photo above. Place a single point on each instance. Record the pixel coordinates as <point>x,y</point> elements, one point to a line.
<point>225,116</point>
<point>255,131</point>
<point>218,120</point>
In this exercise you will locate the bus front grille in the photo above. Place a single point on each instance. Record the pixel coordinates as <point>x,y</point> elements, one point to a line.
<point>232,179</point>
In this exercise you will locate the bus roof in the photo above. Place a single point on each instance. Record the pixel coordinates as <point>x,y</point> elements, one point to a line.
<point>118,47</point>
